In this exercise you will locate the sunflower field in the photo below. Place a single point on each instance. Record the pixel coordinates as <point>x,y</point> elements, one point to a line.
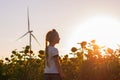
<point>89,61</point>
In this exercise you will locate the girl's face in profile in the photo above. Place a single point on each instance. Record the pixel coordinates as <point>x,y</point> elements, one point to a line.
<point>56,39</point>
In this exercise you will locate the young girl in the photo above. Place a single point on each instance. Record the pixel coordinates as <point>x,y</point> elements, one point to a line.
<point>53,69</point>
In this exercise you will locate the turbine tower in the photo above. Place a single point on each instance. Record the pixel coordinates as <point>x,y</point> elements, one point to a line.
<point>29,32</point>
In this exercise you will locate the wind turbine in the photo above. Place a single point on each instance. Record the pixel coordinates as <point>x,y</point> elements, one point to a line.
<point>29,32</point>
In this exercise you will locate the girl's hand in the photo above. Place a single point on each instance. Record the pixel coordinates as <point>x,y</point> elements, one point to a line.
<point>62,75</point>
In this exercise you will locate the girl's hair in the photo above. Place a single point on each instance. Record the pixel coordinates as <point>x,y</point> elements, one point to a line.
<point>49,38</point>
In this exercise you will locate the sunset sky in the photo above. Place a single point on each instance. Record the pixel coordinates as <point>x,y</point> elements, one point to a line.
<point>75,20</point>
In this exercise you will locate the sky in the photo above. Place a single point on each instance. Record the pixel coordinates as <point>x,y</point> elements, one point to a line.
<point>75,20</point>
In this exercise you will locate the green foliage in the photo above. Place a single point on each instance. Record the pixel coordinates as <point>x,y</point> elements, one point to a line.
<point>89,62</point>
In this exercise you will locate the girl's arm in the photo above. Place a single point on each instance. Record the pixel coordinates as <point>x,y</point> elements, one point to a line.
<point>57,63</point>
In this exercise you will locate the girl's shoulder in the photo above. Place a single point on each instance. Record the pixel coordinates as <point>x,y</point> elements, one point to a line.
<point>53,51</point>
<point>51,47</point>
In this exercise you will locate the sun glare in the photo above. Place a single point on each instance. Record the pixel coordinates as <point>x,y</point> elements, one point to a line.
<point>103,28</point>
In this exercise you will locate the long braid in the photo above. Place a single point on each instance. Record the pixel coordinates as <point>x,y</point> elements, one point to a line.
<point>46,52</point>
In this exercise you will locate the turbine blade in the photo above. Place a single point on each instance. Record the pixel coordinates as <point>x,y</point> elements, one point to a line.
<point>23,35</point>
<point>28,18</point>
<point>35,39</point>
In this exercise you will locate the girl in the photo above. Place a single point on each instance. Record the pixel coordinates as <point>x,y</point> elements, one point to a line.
<point>53,69</point>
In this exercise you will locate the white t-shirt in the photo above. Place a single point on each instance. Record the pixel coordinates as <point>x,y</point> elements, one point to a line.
<point>52,51</point>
